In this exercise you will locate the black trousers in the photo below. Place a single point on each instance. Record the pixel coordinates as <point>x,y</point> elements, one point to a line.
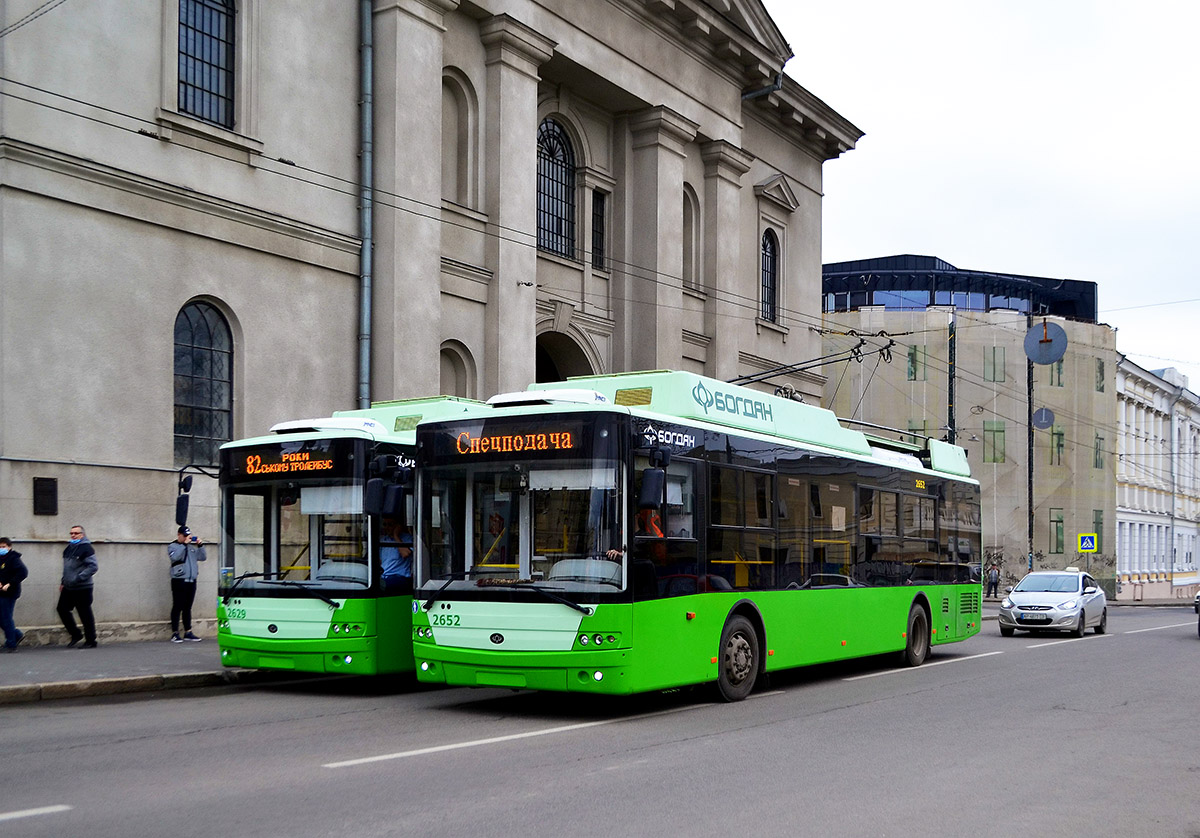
<point>183,594</point>
<point>77,599</point>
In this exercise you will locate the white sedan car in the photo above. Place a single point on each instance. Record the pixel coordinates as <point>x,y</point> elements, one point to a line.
<point>1055,600</point>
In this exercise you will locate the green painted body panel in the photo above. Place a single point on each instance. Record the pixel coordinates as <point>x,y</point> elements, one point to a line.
<point>667,643</point>
<point>305,640</point>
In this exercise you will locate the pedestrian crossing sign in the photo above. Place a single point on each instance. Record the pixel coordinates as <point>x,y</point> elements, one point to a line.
<point>1087,542</point>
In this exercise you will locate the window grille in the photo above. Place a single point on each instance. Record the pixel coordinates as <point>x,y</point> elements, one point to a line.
<point>556,190</point>
<point>770,275</point>
<point>203,384</point>
<point>599,256</point>
<point>206,60</point>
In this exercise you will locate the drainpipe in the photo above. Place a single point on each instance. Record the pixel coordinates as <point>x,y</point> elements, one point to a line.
<point>1174,478</point>
<point>775,85</point>
<point>366,161</point>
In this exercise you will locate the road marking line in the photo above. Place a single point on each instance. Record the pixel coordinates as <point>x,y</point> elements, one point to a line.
<point>29,813</point>
<point>922,666</point>
<point>475,743</point>
<point>1068,640</point>
<point>1159,628</point>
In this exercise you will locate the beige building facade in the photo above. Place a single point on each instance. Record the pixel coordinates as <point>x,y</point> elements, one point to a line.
<point>945,349</point>
<point>554,188</point>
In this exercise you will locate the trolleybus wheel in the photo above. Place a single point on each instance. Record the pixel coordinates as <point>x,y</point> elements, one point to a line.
<point>738,660</point>
<point>917,648</point>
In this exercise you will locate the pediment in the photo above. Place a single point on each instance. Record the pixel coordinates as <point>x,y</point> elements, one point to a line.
<point>752,18</point>
<point>776,190</point>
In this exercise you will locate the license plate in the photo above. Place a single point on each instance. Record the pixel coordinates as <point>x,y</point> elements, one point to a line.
<point>1033,618</point>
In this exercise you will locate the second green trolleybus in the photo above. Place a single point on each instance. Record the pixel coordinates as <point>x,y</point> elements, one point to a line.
<point>627,533</point>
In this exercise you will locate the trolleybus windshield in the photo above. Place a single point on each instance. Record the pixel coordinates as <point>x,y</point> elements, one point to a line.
<point>294,519</point>
<point>537,512</point>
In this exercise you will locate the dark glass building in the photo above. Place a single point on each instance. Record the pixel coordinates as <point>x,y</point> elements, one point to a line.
<point>911,283</point>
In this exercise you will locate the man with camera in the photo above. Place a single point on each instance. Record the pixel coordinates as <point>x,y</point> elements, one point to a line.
<point>185,553</point>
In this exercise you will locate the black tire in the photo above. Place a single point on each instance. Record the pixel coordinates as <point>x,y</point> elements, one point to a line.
<point>917,647</point>
<point>1102,626</point>
<point>1081,628</point>
<point>1006,631</point>
<point>738,659</point>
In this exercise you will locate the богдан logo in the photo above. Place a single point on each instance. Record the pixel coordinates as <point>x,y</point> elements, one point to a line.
<point>703,396</point>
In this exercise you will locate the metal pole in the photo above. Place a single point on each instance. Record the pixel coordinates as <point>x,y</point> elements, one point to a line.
<point>1029,427</point>
<point>950,437</point>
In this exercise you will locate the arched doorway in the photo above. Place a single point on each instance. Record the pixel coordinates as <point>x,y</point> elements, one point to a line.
<point>559,357</point>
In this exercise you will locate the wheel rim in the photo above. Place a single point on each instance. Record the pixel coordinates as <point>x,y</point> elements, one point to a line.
<point>739,658</point>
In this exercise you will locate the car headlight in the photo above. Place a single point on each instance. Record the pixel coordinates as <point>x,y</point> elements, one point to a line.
<point>1006,603</point>
<point>1068,605</point>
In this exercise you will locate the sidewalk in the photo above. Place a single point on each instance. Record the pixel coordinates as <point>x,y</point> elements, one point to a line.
<point>152,663</point>
<point>42,672</point>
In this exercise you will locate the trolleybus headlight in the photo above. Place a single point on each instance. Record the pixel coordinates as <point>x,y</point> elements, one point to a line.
<point>336,628</point>
<point>583,640</point>
<point>598,639</point>
<point>424,666</point>
<point>598,675</point>
<point>349,659</point>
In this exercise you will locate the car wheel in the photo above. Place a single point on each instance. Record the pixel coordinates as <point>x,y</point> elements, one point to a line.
<point>738,659</point>
<point>1005,631</point>
<point>917,647</point>
<point>1082,627</point>
<point>1102,626</point>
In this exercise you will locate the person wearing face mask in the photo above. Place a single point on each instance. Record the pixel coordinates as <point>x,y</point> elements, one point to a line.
<point>12,571</point>
<point>75,592</point>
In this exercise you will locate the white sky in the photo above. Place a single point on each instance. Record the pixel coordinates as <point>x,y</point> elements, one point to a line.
<point>1055,138</point>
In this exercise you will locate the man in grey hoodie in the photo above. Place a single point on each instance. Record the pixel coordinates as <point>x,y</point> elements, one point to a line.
<point>75,592</point>
<point>184,552</point>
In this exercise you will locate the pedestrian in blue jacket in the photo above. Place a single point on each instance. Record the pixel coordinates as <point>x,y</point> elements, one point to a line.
<point>12,572</point>
<point>185,553</point>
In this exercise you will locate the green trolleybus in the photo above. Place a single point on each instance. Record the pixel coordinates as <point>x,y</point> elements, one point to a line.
<point>626,533</point>
<point>308,515</point>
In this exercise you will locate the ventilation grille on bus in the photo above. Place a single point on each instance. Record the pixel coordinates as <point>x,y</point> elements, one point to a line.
<point>406,423</point>
<point>945,606</point>
<point>633,397</point>
<point>968,603</point>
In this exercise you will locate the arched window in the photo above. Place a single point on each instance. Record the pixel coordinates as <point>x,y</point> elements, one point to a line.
<point>555,190</point>
<point>770,275</point>
<point>206,60</point>
<point>691,239</point>
<point>203,384</point>
<point>457,370</point>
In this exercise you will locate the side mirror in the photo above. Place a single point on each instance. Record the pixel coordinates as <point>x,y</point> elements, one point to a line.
<point>1008,590</point>
<point>1089,590</point>
<point>654,482</point>
<point>185,484</point>
<point>373,501</point>
<point>181,509</point>
<point>393,501</point>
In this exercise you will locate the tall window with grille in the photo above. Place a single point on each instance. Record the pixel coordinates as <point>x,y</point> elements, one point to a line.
<point>770,276</point>
<point>203,384</point>
<point>993,363</point>
<point>1099,375</point>
<point>206,60</point>
<point>1098,528</point>
<point>917,359</point>
<point>599,230</point>
<point>1098,452</point>
<point>993,441</point>
<point>555,190</point>
<point>1058,442</point>
<point>1057,539</point>
<point>1056,369</point>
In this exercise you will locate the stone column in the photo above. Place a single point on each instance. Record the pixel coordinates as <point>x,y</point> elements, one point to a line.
<point>725,276</point>
<point>514,53</point>
<point>654,286</point>
<point>408,179</point>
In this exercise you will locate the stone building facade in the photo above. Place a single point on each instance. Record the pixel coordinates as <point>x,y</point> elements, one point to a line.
<point>943,356</point>
<point>554,187</point>
<point>1158,483</point>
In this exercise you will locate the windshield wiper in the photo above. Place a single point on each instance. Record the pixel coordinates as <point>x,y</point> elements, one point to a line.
<point>583,609</point>
<point>449,577</point>
<point>306,588</point>
<point>238,581</point>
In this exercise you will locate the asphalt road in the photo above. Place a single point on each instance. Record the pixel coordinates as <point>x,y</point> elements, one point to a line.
<point>1026,736</point>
